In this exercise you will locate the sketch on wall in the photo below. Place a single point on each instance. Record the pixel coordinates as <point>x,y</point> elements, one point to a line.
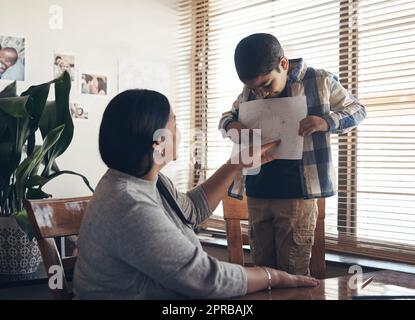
<point>140,74</point>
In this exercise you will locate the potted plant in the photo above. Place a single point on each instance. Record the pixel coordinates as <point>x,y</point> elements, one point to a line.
<point>26,167</point>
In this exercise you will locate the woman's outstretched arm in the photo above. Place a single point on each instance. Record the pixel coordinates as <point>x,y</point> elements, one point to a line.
<point>217,185</point>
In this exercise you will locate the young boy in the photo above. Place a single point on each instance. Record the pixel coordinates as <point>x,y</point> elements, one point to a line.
<point>282,198</point>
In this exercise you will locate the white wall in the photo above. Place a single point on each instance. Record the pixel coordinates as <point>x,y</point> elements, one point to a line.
<point>99,34</point>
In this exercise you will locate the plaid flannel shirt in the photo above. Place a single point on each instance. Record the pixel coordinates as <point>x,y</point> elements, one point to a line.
<point>326,98</point>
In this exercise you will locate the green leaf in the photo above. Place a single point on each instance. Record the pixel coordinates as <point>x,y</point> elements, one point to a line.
<point>24,223</point>
<point>39,94</point>
<point>15,107</point>
<point>3,126</point>
<point>48,120</point>
<point>6,149</point>
<point>37,194</point>
<point>9,91</point>
<point>36,180</point>
<point>31,142</point>
<point>55,167</point>
<point>26,167</point>
<point>14,129</point>
<point>57,174</point>
<point>55,114</point>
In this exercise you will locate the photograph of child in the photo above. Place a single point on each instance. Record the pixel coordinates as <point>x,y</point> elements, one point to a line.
<point>78,111</point>
<point>64,62</point>
<point>94,84</point>
<point>12,58</point>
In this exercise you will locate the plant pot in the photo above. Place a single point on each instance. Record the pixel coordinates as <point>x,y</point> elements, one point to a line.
<point>18,254</point>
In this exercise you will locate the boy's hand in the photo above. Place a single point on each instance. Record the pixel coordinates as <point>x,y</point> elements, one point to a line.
<point>238,126</point>
<point>311,124</point>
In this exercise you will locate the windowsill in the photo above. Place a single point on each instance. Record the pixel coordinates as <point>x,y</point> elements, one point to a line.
<point>334,257</point>
<point>218,242</point>
<point>369,262</point>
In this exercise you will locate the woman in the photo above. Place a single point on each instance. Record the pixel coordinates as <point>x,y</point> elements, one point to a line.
<point>134,241</point>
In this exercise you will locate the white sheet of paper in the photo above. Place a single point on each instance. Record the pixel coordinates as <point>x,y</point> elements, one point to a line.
<point>278,118</point>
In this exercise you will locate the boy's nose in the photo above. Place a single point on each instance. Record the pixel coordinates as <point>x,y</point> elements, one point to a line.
<point>262,93</point>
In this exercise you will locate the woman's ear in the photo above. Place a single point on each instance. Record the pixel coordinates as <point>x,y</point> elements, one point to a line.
<point>158,148</point>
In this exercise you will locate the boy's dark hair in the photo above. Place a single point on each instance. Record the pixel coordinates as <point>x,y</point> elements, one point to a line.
<point>256,55</point>
<point>127,129</point>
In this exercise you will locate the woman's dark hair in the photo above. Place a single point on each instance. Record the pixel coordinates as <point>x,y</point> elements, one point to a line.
<point>256,55</point>
<point>127,129</point>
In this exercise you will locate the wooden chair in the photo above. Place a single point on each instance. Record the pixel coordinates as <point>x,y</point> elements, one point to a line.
<point>53,218</point>
<point>235,211</point>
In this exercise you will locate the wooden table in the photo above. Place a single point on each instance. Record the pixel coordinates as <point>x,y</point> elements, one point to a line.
<point>385,284</point>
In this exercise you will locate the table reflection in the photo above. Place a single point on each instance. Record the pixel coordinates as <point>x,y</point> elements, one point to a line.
<point>385,284</point>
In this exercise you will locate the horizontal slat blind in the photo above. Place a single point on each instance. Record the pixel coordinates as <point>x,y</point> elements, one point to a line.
<point>179,170</point>
<point>306,28</point>
<point>380,193</point>
<point>370,44</point>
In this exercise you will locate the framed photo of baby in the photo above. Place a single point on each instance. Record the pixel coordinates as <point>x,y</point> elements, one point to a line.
<point>12,58</point>
<point>63,62</point>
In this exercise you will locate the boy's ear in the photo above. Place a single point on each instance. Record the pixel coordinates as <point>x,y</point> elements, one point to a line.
<point>284,64</point>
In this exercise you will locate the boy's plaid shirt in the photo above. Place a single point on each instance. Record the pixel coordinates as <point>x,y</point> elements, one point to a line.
<point>326,98</point>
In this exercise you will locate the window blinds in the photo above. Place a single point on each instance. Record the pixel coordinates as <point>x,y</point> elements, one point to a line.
<point>180,170</point>
<point>370,44</point>
<point>374,213</point>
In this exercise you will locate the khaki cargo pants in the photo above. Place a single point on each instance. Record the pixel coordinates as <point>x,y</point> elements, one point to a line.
<point>282,233</point>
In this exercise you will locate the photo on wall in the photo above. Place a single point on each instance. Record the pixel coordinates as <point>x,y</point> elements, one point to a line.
<point>94,84</point>
<point>12,58</point>
<point>78,111</point>
<point>63,62</point>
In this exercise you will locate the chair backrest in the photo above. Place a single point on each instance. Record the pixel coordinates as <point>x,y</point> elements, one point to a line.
<point>53,218</point>
<point>235,211</point>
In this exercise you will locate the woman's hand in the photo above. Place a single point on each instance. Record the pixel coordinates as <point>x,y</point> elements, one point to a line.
<point>282,279</point>
<point>217,185</point>
<point>256,156</point>
<point>258,279</point>
<point>265,154</point>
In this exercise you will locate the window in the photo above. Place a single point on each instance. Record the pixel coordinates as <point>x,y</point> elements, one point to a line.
<point>370,44</point>
<point>374,212</point>
<point>180,170</point>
